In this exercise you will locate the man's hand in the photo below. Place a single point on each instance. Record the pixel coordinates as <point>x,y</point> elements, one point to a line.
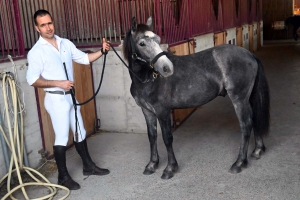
<point>105,45</point>
<point>66,84</point>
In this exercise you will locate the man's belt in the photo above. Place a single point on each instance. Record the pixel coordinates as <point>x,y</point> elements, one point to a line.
<point>60,92</point>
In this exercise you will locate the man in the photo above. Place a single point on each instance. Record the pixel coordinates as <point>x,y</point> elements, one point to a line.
<point>46,70</point>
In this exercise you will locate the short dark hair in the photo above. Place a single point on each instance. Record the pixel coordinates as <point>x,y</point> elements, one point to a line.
<point>40,13</point>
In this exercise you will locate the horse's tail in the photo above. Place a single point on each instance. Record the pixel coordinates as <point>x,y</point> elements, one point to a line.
<point>260,102</point>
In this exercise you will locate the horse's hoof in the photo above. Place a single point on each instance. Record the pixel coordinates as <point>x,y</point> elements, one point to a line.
<point>237,167</point>
<point>167,175</point>
<point>169,171</point>
<point>150,168</point>
<point>148,172</point>
<point>256,154</point>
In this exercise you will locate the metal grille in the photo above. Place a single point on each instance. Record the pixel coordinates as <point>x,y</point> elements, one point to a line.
<point>85,22</point>
<point>11,40</point>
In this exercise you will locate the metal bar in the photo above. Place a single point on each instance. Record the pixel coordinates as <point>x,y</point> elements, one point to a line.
<point>144,12</point>
<point>51,8</point>
<point>65,3</point>
<point>34,33</point>
<point>21,49</point>
<point>57,17</point>
<point>43,6</point>
<point>92,13</point>
<point>149,8</point>
<point>120,25</point>
<point>24,22</point>
<point>166,26</point>
<point>1,28</point>
<point>104,19</point>
<point>10,28</point>
<point>88,18</point>
<point>72,20</point>
<point>99,19</point>
<point>107,23</point>
<point>124,18</point>
<point>48,7</point>
<point>5,28</point>
<point>190,22</point>
<point>128,17</point>
<point>171,23</point>
<point>114,19</point>
<point>139,10</point>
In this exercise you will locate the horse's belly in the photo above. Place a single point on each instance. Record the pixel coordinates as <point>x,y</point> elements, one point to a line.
<point>193,99</point>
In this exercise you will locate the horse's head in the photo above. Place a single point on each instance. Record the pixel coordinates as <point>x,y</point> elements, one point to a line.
<point>142,43</point>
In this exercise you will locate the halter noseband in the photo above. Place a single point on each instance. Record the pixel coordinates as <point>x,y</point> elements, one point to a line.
<point>151,64</point>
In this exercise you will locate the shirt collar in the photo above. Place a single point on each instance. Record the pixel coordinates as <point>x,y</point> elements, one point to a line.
<point>43,41</point>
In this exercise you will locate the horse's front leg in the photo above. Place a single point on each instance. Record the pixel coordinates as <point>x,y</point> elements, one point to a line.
<point>151,121</point>
<point>165,123</point>
<point>243,111</point>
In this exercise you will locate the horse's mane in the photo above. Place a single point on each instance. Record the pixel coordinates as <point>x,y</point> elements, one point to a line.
<point>127,44</point>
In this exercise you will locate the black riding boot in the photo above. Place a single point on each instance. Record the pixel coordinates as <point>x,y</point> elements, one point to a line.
<point>89,167</point>
<point>64,178</point>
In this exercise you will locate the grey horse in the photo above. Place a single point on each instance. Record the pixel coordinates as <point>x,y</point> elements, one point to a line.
<point>162,82</point>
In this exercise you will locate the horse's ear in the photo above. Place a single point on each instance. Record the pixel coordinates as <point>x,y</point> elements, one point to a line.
<point>133,25</point>
<point>149,22</point>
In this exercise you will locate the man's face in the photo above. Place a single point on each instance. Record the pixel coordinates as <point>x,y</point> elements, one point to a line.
<point>45,26</point>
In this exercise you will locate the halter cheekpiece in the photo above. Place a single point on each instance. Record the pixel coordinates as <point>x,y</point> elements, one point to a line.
<point>151,64</point>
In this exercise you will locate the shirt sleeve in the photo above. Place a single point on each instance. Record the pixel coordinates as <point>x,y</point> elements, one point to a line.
<point>78,55</point>
<point>35,64</point>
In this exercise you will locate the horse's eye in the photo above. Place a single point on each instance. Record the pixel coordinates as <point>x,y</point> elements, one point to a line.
<point>142,44</point>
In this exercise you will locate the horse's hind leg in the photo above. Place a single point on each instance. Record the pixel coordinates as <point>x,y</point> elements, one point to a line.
<point>244,113</point>
<point>151,121</point>
<point>172,167</point>
<point>259,146</point>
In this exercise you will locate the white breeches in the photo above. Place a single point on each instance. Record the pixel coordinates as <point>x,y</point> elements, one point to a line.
<point>62,114</point>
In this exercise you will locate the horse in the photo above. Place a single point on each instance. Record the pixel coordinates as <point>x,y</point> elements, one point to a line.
<point>162,82</point>
<point>295,21</point>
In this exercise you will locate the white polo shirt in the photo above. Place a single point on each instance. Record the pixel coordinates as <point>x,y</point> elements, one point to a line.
<point>46,61</point>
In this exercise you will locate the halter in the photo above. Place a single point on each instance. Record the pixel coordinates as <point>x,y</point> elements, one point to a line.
<point>151,64</point>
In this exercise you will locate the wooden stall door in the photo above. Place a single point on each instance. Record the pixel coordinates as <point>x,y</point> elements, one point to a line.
<point>239,36</point>
<point>220,38</point>
<point>180,115</point>
<point>251,40</point>
<point>83,80</point>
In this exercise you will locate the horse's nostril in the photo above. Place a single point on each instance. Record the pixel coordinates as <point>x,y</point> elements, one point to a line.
<point>165,69</point>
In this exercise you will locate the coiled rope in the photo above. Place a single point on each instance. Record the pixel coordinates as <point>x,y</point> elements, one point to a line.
<point>15,143</point>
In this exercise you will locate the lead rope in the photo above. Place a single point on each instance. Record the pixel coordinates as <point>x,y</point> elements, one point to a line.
<point>75,104</point>
<point>72,90</point>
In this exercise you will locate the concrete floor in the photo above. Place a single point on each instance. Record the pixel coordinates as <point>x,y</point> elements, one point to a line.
<point>205,146</point>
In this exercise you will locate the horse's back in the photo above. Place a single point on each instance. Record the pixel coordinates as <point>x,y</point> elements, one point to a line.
<point>218,70</point>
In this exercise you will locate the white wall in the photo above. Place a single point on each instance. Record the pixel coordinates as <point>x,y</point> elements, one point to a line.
<point>204,42</point>
<point>116,108</point>
<point>246,36</point>
<point>255,36</point>
<point>231,36</point>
